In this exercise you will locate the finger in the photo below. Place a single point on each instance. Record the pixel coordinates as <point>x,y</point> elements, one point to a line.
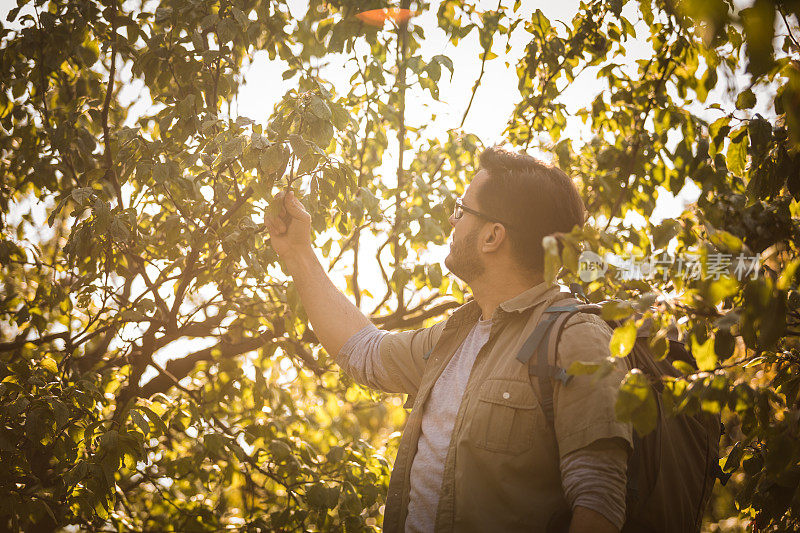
<point>289,209</point>
<point>275,226</point>
<point>290,200</point>
<point>296,207</point>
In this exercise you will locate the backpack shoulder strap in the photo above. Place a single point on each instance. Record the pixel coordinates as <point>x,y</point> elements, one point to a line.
<point>543,343</point>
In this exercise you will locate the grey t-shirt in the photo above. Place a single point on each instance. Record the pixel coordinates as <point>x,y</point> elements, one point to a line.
<point>438,418</point>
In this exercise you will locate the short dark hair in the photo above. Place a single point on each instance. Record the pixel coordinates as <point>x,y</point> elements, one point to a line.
<point>536,199</point>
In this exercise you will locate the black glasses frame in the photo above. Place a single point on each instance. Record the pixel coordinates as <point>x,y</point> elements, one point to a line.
<point>460,208</point>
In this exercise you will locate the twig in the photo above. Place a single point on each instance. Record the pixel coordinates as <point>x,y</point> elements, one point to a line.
<point>110,174</point>
<point>788,28</point>
<point>45,111</point>
<point>225,429</point>
<point>668,68</point>
<point>402,46</point>
<point>480,76</point>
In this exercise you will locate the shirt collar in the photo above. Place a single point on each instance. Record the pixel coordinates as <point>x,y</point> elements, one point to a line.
<point>523,301</point>
<point>530,297</point>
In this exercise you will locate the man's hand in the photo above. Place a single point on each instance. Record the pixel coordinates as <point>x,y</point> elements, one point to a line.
<point>333,317</point>
<point>290,233</point>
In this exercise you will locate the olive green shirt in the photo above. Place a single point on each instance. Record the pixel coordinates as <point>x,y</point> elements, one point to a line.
<point>501,469</point>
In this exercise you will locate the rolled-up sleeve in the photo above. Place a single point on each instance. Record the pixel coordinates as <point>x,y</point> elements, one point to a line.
<point>584,407</point>
<point>595,477</point>
<point>388,361</point>
<point>360,358</point>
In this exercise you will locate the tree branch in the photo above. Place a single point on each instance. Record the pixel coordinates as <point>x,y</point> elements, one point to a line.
<point>402,47</point>
<point>109,160</point>
<point>788,27</point>
<point>395,321</point>
<point>180,368</point>
<point>667,63</point>
<point>21,340</point>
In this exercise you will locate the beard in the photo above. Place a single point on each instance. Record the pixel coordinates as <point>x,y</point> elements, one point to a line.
<point>463,260</point>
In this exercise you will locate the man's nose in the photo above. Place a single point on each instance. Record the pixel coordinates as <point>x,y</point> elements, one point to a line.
<point>452,221</point>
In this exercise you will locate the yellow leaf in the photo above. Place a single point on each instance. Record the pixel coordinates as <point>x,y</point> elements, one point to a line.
<point>785,280</point>
<point>623,339</point>
<point>704,353</point>
<point>49,365</point>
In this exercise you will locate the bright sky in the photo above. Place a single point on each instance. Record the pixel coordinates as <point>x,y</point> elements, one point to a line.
<point>487,118</point>
<point>494,100</point>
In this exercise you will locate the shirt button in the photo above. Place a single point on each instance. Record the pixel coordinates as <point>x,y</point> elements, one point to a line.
<point>506,396</point>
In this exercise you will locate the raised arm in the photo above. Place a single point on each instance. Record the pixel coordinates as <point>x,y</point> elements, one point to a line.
<point>390,361</point>
<point>333,317</point>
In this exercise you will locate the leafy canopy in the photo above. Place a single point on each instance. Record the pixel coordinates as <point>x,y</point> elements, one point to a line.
<point>158,370</point>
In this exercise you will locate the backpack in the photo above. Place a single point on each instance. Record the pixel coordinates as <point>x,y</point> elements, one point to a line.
<point>672,469</point>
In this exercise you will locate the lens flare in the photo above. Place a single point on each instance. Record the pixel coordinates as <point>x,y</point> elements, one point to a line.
<point>378,17</point>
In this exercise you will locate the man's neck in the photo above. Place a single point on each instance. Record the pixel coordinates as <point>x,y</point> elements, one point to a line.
<point>491,290</point>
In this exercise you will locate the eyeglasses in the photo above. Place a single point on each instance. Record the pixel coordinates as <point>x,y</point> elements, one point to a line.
<point>460,208</point>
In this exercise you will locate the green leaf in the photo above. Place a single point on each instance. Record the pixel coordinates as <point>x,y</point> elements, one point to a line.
<point>298,144</point>
<point>759,29</point>
<point>341,117</point>
<point>82,195</point>
<point>746,99</point>
<point>569,257</point>
<point>552,259</point>
<point>435,275</point>
<point>616,310</point>
<point>322,134</point>
<point>119,231</point>
<point>664,232</point>
<point>636,402</point>
<point>320,108</point>
<point>659,345</point>
<point>725,240</point>
<point>335,454</point>
<point>280,450</point>
<point>580,368</point>
<point>370,201</point>
<point>736,156</point>
<point>12,14</point>
<point>683,367</point>
<point>52,218</point>
<point>724,343</point>
<point>307,163</point>
<point>444,61</point>
<point>719,129</point>
<point>273,160</point>
<point>140,421</point>
<point>155,419</point>
<point>215,443</point>
<point>317,496</point>
<point>734,458</point>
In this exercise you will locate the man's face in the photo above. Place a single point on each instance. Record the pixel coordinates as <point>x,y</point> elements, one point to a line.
<point>464,259</point>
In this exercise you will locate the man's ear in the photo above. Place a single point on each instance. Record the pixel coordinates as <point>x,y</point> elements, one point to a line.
<point>497,235</point>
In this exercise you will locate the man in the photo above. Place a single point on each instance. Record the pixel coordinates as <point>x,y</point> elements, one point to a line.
<point>477,453</point>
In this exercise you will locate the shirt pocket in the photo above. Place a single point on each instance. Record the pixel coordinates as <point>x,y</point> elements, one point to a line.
<point>505,416</point>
